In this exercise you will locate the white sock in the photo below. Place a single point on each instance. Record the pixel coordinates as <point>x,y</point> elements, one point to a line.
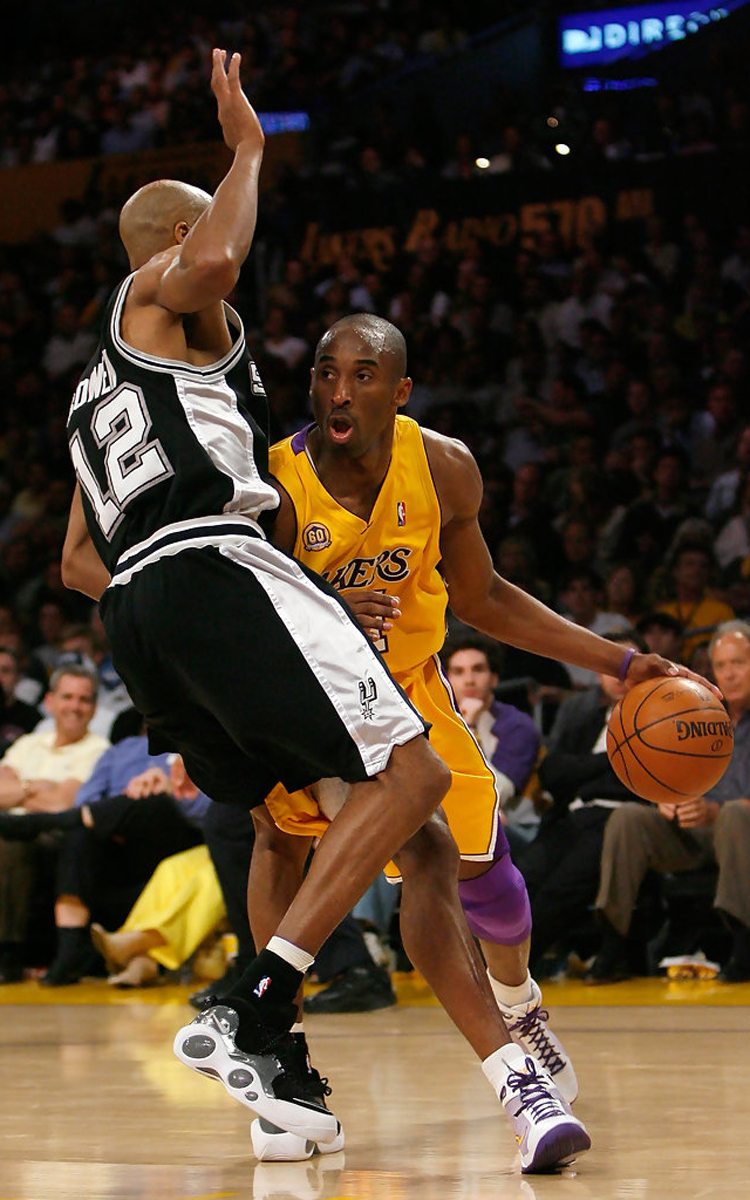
<point>497,1065</point>
<point>297,1027</point>
<point>508,996</point>
<point>299,959</point>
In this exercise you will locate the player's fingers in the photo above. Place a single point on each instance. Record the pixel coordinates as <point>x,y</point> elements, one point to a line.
<point>218,73</point>
<point>380,612</point>
<point>233,74</point>
<point>701,680</point>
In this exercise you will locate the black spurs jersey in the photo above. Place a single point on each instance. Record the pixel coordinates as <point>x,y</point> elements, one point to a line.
<point>155,442</point>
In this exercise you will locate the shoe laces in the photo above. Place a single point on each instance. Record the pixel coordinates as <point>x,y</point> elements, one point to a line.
<point>532,1027</point>
<point>298,1077</point>
<point>534,1092</point>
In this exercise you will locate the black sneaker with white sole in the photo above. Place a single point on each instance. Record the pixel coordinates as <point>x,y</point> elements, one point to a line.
<point>258,1079</point>
<point>272,1144</point>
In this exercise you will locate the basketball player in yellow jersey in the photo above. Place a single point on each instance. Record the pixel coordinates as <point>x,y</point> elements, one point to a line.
<point>387,512</point>
<point>374,524</point>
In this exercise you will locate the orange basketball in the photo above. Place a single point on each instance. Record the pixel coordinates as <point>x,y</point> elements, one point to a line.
<point>669,739</point>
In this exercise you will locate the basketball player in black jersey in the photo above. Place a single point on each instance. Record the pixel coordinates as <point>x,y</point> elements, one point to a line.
<point>244,661</point>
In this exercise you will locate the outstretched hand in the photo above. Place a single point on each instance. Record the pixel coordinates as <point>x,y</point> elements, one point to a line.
<point>237,117</point>
<point>652,666</point>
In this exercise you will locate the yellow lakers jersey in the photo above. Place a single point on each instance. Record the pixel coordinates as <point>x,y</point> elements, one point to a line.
<point>396,551</point>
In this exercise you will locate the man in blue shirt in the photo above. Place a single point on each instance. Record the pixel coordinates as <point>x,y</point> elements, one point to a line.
<point>714,828</point>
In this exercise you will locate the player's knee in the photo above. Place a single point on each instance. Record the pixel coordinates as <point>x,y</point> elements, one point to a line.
<point>272,840</point>
<point>496,904</point>
<point>418,777</point>
<point>430,850</point>
<point>436,779</point>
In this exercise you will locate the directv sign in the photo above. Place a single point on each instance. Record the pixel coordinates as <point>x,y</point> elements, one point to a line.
<point>606,35</point>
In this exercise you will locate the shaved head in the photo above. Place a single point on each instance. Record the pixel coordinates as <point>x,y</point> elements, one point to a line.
<point>382,338</point>
<point>149,218</point>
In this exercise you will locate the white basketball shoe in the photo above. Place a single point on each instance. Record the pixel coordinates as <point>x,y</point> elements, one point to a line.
<point>527,1025</point>
<point>547,1134</point>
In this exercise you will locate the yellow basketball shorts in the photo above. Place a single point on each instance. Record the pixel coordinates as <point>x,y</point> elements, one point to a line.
<point>471,805</point>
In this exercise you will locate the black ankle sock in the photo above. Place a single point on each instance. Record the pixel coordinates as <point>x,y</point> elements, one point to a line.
<point>264,995</point>
<point>73,943</point>
<point>22,827</point>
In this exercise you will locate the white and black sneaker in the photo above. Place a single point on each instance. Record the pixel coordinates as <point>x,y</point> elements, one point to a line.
<point>259,1080</point>
<point>527,1025</point>
<point>272,1144</point>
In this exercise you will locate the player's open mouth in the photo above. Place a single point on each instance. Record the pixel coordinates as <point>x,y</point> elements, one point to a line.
<point>340,429</point>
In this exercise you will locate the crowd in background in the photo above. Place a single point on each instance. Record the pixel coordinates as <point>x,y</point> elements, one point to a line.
<point>321,59</point>
<point>603,385</point>
<point>603,391</point>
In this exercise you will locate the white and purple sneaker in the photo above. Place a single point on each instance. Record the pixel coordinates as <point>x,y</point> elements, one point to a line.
<point>527,1025</point>
<point>546,1132</point>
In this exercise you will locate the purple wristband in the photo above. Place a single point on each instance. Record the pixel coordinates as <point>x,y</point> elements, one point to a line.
<point>625,665</point>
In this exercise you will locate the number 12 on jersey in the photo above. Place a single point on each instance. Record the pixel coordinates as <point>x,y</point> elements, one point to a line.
<point>120,426</point>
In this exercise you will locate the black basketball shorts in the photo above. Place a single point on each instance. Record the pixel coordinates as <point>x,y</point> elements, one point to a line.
<point>251,667</point>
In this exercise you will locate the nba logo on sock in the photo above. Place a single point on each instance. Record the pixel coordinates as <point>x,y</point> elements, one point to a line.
<point>262,987</point>
<point>401,513</point>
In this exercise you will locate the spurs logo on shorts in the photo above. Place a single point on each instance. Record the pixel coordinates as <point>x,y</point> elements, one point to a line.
<point>368,694</point>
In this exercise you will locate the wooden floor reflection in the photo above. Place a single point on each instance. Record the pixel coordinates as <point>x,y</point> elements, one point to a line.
<point>94,1107</point>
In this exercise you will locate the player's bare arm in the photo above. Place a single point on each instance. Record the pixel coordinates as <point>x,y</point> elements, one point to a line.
<point>82,568</point>
<point>284,533</point>
<point>482,598</point>
<point>204,267</point>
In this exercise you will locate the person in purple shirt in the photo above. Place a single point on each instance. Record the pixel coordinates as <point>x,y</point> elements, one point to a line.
<point>509,738</point>
<point>125,821</point>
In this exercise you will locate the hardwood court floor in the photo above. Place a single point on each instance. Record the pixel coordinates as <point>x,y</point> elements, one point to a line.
<point>94,1107</point>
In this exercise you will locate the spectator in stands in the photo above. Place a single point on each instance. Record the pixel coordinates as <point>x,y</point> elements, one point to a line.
<point>622,592</point>
<point>662,634</point>
<point>561,867</point>
<point>509,738</point>
<point>280,343</point>
<point>124,822</point>
<point>16,717</point>
<point>723,495</point>
<point>651,522</point>
<point>733,540</point>
<point>180,905</point>
<point>692,604</point>
<point>69,345</point>
<point>715,444</point>
<point>696,832</point>
<point>81,643</point>
<point>580,597</point>
<point>10,519</point>
<point>41,773</point>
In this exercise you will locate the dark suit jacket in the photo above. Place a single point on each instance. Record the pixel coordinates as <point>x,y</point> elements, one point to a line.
<point>570,768</point>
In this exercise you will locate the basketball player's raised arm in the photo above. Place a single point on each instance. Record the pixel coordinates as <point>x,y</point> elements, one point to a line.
<point>207,263</point>
<point>82,568</point>
<point>482,598</point>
